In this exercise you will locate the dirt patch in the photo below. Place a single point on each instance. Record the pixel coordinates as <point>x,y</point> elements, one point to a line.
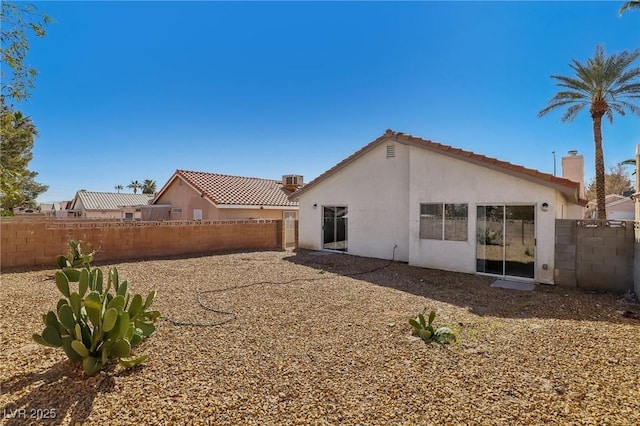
<point>313,344</point>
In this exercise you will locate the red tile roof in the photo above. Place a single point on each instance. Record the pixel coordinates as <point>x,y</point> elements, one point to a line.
<point>566,186</point>
<point>235,190</point>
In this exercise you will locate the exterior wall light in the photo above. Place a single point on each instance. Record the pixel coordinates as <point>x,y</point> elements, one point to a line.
<point>315,206</point>
<point>544,207</point>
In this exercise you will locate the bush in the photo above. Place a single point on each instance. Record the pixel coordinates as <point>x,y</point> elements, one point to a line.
<point>91,323</point>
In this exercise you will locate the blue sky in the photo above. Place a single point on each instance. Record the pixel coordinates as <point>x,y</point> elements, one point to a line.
<point>135,90</point>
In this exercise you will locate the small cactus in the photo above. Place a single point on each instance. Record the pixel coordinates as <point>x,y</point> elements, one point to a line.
<point>92,324</point>
<point>423,329</point>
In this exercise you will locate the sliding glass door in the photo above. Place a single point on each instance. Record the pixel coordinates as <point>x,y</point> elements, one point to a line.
<point>505,242</point>
<point>334,228</point>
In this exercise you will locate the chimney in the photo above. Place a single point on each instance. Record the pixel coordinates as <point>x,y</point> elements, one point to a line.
<point>573,169</point>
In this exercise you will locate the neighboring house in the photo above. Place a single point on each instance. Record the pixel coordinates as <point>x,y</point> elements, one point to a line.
<point>618,207</point>
<point>107,205</point>
<point>48,209</point>
<point>440,207</point>
<point>62,209</point>
<point>191,195</point>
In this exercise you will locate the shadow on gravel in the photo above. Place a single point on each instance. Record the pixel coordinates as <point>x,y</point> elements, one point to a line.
<point>53,395</point>
<point>473,292</point>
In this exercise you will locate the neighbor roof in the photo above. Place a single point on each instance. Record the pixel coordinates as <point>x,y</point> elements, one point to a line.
<point>109,200</point>
<point>566,186</point>
<point>234,190</point>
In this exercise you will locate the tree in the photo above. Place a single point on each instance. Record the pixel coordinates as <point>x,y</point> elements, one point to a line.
<point>149,186</point>
<point>606,85</point>
<point>135,185</point>
<point>615,182</point>
<point>118,188</point>
<point>630,5</point>
<point>17,20</point>
<point>17,184</point>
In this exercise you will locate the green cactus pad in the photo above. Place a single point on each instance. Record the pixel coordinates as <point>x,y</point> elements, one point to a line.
<point>66,317</point>
<point>135,307</point>
<point>109,319</point>
<point>93,305</point>
<point>80,348</point>
<point>51,335</point>
<point>63,283</point>
<point>91,365</point>
<point>128,363</point>
<point>75,300</point>
<point>68,350</point>
<point>73,275</point>
<point>83,282</point>
<point>117,303</point>
<point>120,349</point>
<point>150,298</point>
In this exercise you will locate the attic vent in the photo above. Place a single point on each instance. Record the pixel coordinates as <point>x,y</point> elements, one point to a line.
<point>292,180</point>
<point>391,151</point>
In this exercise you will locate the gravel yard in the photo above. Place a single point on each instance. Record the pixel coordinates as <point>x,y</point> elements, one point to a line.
<point>329,348</point>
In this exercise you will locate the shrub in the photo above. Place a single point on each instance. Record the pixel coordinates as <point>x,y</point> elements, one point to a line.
<point>426,332</point>
<point>91,323</point>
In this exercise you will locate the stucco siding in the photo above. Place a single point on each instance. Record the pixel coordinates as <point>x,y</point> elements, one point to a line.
<point>437,178</point>
<point>374,189</point>
<point>181,195</point>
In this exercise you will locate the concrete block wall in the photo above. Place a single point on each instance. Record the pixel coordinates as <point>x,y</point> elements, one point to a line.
<point>38,243</point>
<point>565,253</point>
<point>595,255</point>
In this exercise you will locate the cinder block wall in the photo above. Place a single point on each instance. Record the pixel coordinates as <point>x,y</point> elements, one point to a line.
<point>594,256</point>
<point>565,254</point>
<point>38,243</point>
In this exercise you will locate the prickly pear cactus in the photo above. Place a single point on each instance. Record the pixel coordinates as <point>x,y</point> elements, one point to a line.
<point>423,329</point>
<point>94,322</point>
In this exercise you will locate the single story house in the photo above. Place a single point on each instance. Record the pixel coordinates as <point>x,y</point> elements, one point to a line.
<point>618,207</point>
<point>192,195</point>
<point>436,206</point>
<point>107,205</point>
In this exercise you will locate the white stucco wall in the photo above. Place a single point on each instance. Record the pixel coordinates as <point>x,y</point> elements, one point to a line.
<point>374,189</point>
<point>438,178</point>
<point>384,196</point>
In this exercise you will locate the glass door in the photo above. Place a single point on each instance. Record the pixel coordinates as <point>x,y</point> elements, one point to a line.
<point>334,228</point>
<point>490,240</point>
<point>505,240</point>
<point>520,241</point>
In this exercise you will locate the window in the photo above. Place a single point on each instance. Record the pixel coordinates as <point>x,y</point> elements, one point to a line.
<point>177,210</point>
<point>441,221</point>
<point>128,216</point>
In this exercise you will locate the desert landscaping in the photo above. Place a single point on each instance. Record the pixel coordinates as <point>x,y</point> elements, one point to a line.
<point>316,339</point>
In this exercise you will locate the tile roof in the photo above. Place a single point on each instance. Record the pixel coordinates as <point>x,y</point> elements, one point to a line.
<point>566,186</point>
<point>110,200</point>
<point>236,190</point>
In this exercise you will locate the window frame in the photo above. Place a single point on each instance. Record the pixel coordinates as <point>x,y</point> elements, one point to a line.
<point>441,215</point>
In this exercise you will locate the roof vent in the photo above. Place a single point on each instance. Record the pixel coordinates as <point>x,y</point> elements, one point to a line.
<point>292,182</point>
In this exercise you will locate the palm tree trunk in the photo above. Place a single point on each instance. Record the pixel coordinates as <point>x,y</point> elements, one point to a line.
<point>600,190</point>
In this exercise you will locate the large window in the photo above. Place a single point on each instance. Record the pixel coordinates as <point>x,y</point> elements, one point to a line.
<point>441,221</point>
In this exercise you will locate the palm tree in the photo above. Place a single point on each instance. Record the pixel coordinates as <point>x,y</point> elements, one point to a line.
<point>119,188</point>
<point>135,185</point>
<point>149,186</point>
<point>630,5</point>
<point>606,85</point>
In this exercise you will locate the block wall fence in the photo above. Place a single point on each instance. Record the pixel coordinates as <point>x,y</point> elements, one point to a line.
<point>37,243</point>
<point>595,255</point>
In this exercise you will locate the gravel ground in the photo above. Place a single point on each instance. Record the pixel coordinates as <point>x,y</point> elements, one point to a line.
<point>331,349</point>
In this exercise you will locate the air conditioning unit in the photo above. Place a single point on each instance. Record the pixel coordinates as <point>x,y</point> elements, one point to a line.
<point>292,180</point>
